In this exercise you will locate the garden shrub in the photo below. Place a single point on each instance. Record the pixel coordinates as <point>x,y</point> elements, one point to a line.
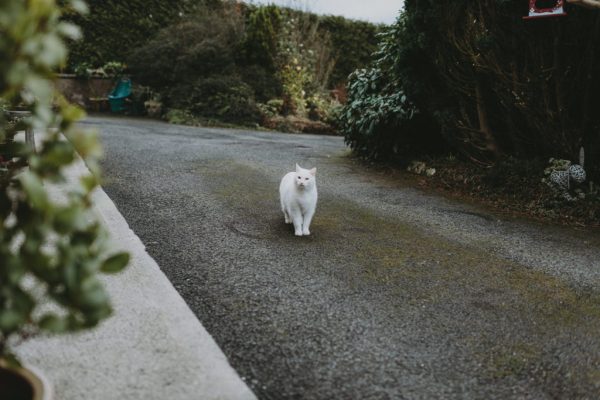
<point>193,65</point>
<point>220,97</point>
<point>180,117</point>
<point>113,28</point>
<point>110,69</point>
<point>352,45</point>
<point>500,86</point>
<point>199,45</point>
<point>52,250</point>
<point>303,60</point>
<point>379,122</point>
<point>323,108</point>
<point>265,83</point>
<point>242,54</point>
<point>263,25</point>
<point>271,108</point>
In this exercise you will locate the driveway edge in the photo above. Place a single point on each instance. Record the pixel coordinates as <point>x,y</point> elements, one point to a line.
<point>153,347</point>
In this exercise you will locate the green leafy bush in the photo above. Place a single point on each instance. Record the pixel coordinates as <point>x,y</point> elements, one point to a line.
<point>52,250</point>
<point>110,69</point>
<point>113,28</point>
<point>193,65</point>
<point>225,98</point>
<point>352,45</point>
<point>324,108</point>
<point>379,122</point>
<point>499,86</point>
<point>263,25</point>
<point>181,117</point>
<point>265,83</point>
<point>200,45</point>
<point>219,63</point>
<point>303,60</point>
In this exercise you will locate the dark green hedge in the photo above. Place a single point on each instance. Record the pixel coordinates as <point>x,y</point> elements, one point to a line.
<point>114,28</point>
<point>353,45</point>
<point>495,85</point>
<point>194,65</point>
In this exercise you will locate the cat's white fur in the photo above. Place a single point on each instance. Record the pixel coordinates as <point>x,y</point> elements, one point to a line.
<point>298,194</point>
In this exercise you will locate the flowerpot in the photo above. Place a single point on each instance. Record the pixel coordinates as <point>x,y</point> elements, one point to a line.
<point>23,384</point>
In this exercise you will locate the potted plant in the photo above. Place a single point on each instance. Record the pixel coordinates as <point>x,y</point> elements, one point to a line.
<point>17,383</point>
<point>52,250</point>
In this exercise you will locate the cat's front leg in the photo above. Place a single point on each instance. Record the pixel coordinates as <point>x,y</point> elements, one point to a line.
<point>306,224</point>
<point>287,218</point>
<point>297,220</point>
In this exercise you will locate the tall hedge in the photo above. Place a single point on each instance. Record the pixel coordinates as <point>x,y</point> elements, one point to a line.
<point>263,25</point>
<point>353,44</point>
<point>498,85</point>
<point>379,121</point>
<point>193,64</point>
<point>114,28</point>
<point>504,85</point>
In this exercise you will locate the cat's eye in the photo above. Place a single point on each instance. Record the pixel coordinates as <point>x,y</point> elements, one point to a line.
<point>306,178</point>
<point>299,177</point>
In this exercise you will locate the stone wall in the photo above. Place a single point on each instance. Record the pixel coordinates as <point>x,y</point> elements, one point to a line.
<point>86,92</point>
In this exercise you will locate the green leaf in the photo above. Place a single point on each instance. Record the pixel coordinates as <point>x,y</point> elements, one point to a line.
<point>53,323</point>
<point>58,154</point>
<point>34,189</point>
<point>69,30</point>
<point>115,263</point>
<point>10,320</point>
<point>89,182</point>
<point>79,6</point>
<point>73,113</point>
<point>92,296</point>
<point>69,219</point>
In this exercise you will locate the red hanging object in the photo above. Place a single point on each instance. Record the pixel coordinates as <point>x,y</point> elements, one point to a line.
<point>546,8</point>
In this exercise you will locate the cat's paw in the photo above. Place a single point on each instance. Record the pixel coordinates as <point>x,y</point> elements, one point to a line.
<point>298,233</point>
<point>288,221</point>
<point>306,232</point>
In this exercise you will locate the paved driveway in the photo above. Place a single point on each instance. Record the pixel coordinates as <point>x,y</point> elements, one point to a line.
<point>396,294</point>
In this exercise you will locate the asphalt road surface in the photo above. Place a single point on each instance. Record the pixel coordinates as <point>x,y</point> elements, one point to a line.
<point>397,294</point>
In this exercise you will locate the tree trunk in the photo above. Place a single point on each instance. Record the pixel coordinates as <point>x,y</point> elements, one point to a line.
<point>489,143</point>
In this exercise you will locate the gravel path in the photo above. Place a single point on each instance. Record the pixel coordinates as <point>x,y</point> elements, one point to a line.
<point>397,294</point>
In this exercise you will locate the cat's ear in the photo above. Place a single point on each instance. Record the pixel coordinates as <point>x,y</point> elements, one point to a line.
<point>298,168</point>
<point>313,171</point>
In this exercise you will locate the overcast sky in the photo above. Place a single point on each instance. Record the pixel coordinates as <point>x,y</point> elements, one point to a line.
<point>378,11</point>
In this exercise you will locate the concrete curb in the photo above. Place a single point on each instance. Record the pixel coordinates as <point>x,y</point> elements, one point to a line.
<point>153,347</point>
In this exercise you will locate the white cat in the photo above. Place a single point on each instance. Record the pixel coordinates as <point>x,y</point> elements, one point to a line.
<point>298,194</point>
